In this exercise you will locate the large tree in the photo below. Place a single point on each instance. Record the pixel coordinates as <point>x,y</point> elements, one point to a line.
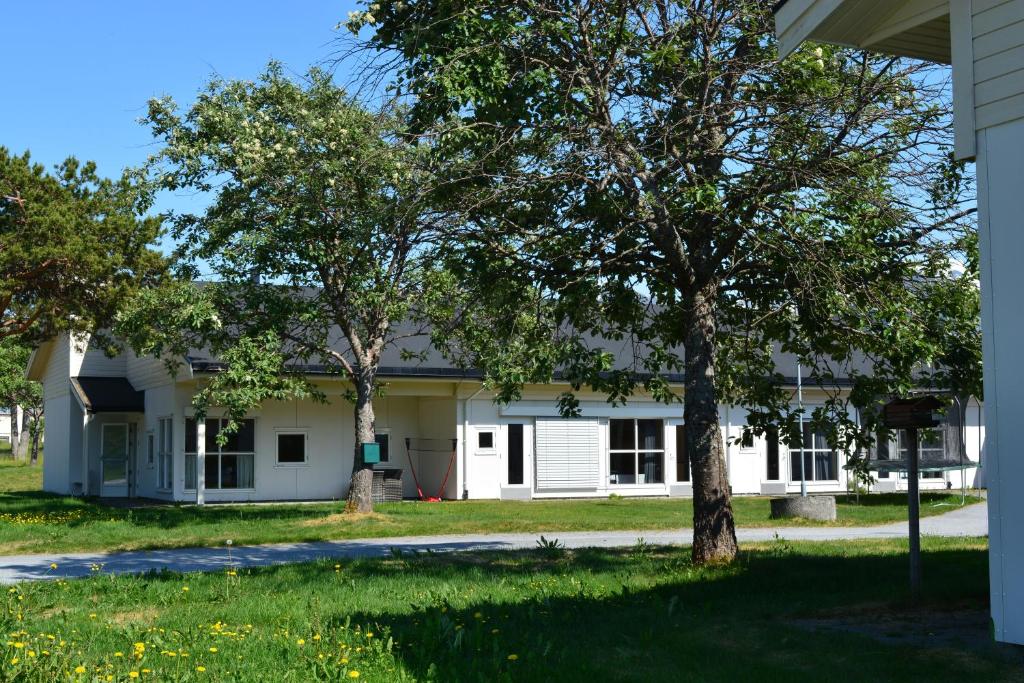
<point>72,246</point>
<point>319,243</point>
<point>648,169</point>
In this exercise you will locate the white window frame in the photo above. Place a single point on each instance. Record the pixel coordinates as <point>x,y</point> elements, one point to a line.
<point>150,449</point>
<point>799,453</point>
<point>493,431</point>
<point>165,453</point>
<point>391,443</point>
<point>637,451</point>
<point>219,453</point>
<point>752,448</point>
<point>289,431</point>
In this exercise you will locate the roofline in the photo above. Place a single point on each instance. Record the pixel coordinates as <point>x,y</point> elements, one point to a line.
<point>36,367</point>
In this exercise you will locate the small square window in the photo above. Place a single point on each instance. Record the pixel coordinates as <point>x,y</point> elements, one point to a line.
<point>485,440</point>
<point>747,439</point>
<point>291,449</point>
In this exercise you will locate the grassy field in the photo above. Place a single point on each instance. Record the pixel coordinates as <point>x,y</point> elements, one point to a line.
<point>35,522</point>
<point>784,612</point>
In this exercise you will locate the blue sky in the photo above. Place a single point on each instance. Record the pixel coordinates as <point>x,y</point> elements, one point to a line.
<point>77,75</point>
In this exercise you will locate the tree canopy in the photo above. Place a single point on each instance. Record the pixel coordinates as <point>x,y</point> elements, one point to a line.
<point>72,247</point>
<point>652,171</point>
<point>319,245</point>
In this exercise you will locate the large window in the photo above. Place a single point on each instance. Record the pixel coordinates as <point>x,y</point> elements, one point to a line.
<point>636,452</point>
<point>227,467</point>
<point>165,453</point>
<point>931,444</point>
<point>820,461</point>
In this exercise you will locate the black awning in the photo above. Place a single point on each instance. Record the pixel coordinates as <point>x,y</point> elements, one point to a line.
<point>108,395</point>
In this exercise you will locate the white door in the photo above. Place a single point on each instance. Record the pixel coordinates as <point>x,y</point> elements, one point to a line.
<point>114,451</point>
<point>516,456</point>
<point>485,474</point>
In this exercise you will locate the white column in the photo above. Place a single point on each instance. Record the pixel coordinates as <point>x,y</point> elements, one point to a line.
<point>200,462</point>
<point>1001,232</point>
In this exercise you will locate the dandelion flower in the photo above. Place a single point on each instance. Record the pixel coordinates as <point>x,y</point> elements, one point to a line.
<point>200,669</point>
<point>301,641</point>
<point>79,669</point>
<point>53,565</point>
<point>513,657</point>
<point>353,674</point>
<point>133,674</point>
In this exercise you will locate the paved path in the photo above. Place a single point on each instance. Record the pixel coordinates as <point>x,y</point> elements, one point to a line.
<point>969,521</point>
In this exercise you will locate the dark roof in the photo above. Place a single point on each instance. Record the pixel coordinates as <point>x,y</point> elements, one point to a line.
<point>108,395</point>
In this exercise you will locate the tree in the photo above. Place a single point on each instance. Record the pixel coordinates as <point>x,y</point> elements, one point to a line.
<point>16,391</point>
<point>320,241</point>
<point>650,170</point>
<point>72,246</point>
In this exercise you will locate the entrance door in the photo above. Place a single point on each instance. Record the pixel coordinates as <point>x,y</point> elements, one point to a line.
<point>114,451</point>
<point>517,479</point>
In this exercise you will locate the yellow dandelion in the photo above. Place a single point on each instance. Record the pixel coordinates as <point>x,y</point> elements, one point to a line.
<point>300,641</point>
<point>119,654</point>
<point>15,660</point>
<point>184,589</point>
<point>200,669</point>
<point>133,674</point>
<point>53,565</point>
<point>79,669</point>
<point>513,657</point>
<point>19,645</point>
<point>353,674</point>
<point>213,649</point>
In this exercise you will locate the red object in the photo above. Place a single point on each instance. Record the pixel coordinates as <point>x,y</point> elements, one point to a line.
<point>416,480</point>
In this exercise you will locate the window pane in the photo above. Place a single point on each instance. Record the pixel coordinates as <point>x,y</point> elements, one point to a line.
<point>682,456</point>
<point>228,471</point>
<point>212,430</point>
<point>115,441</point>
<point>651,468</point>
<point>190,435</point>
<point>384,440</point>
<point>652,435</point>
<point>820,442</point>
<point>212,469</point>
<point>623,468</point>
<point>825,466</point>
<point>190,471</point>
<point>485,440</point>
<point>243,440</point>
<point>115,472</point>
<point>150,449</point>
<point>794,461</point>
<point>515,454</point>
<point>621,435</point>
<point>772,441</point>
<point>291,448</point>
<point>245,471</point>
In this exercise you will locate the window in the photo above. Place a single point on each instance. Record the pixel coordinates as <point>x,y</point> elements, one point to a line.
<point>747,440</point>
<point>682,456</point>
<point>291,448</point>
<point>485,441</point>
<point>931,444</point>
<point>636,452</point>
<point>820,461</point>
<point>383,440</point>
<point>150,449</point>
<point>772,454</point>
<point>227,467</point>
<point>516,452</point>
<point>165,453</point>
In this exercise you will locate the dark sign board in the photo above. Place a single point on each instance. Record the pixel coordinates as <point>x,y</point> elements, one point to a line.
<point>909,413</point>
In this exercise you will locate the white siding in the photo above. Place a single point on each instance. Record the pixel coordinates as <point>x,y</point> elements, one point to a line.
<point>998,27</point>
<point>55,378</point>
<point>146,372</point>
<point>88,361</point>
<point>568,453</point>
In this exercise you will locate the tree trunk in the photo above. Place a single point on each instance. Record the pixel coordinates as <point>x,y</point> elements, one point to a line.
<point>21,452</point>
<point>37,433</point>
<point>714,529</point>
<point>14,431</point>
<point>360,492</point>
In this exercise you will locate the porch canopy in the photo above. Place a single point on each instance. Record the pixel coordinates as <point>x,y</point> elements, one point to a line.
<point>108,395</point>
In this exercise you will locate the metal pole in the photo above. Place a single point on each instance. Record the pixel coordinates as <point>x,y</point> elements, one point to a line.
<point>800,409</point>
<point>914,513</point>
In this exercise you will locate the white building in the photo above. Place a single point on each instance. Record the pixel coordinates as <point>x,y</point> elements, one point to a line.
<point>984,42</point>
<point>123,427</point>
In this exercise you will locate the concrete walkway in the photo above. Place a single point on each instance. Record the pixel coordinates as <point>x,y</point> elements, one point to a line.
<point>968,521</point>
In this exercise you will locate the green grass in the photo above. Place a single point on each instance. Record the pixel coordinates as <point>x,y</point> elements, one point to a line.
<point>644,614</point>
<point>35,522</point>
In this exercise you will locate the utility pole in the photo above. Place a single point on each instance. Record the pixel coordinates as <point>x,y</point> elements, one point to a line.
<point>914,512</point>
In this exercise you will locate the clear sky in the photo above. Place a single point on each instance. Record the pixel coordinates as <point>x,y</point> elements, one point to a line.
<point>77,75</point>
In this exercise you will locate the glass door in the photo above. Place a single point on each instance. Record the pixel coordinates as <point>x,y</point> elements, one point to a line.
<point>114,449</point>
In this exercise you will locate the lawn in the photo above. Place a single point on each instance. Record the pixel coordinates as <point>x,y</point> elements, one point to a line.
<point>783,612</point>
<point>35,522</point>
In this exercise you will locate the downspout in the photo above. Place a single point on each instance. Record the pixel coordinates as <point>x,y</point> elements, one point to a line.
<point>466,412</point>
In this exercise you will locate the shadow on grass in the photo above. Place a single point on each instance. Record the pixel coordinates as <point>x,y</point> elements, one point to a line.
<point>600,615</point>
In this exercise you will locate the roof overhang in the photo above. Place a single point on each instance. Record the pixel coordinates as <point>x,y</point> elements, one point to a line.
<point>38,361</point>
<point>907,28</point>
<point>107,395</point>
